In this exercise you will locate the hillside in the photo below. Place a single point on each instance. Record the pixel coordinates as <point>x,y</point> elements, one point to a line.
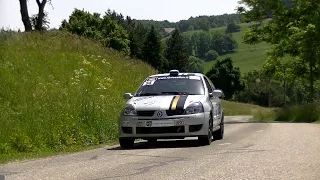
<point>59,92</point>
<point>247,57</point>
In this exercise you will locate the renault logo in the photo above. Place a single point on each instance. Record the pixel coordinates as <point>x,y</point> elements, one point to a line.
<point>159,114</point>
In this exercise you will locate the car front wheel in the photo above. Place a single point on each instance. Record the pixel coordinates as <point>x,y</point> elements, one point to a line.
<point>206,140</point>
<point>218,135</point>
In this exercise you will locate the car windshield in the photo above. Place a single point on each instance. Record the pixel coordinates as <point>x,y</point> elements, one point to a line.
<point>164,85</point>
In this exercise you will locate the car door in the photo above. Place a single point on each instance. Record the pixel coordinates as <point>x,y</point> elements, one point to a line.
<point>216,103</point>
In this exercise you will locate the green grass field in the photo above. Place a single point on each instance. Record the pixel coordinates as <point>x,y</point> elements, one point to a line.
<point>62,93</point>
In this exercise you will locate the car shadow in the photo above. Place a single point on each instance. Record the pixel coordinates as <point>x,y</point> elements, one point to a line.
<point>162,144</point>
<point>263,122</point>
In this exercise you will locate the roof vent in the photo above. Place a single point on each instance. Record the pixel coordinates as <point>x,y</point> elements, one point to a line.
<point>174,72</point>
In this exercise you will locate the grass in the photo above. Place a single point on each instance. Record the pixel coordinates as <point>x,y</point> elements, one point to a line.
<point>308,113</point>
<point>60,93</point>
<point>236,108</point>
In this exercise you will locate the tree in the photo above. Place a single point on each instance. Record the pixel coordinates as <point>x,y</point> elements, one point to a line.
<point>223,43</point>
<point>226,77</point>
<point>137,35</point>
<point>39,17</point>
<point>211,55</point>
<point>176,52</point>
<point>105,30</point>
<point>260,89</point>
<point>25,15</point>
<point>152,49</point>
<point>232,27</point>
<point>294,30</point>
<point>203,44</point>
<point>195,65</point>
<point>41,14</point>
<point>45,21</point>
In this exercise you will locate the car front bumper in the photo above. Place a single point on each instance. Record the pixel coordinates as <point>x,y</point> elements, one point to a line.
<point>169,127</point>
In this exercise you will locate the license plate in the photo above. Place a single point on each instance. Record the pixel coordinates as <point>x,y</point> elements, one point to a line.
<point>162,123</point>
<point>156,123</point>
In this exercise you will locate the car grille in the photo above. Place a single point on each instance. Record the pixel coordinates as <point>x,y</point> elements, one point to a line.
<point>145,113</point>
<point>175,112</point>
<point>160,130</point>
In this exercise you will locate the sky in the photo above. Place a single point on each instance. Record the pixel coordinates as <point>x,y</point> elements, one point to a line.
<point>171,10</point>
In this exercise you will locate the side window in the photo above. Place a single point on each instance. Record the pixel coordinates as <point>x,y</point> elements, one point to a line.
<point>208,85</point>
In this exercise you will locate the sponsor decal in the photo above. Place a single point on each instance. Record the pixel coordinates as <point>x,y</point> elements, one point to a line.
<point>151,81</point>
<point>142,98</point>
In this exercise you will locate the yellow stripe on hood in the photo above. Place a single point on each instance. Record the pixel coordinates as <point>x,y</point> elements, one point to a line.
<point>174,103</point>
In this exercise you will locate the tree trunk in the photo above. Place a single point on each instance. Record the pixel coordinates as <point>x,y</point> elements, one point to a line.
<point>25,15</point>
<point>40,14</point>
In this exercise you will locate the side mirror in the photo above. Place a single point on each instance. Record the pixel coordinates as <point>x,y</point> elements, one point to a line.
<point>128,95</point>
<point>217,93</point>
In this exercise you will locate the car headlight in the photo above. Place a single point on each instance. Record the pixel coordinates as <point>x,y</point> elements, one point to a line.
<point>129,110</point>
<point>194,108</point>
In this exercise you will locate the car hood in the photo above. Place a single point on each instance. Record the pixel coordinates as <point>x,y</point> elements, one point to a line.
<point>163,102</point>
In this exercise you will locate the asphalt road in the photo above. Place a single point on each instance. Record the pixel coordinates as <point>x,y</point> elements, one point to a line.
<point>255,151</point>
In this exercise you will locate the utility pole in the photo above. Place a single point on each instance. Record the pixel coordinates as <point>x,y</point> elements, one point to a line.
<point>284,86</point>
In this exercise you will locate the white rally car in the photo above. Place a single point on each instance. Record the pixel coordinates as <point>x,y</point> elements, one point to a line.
<point>172,106</point>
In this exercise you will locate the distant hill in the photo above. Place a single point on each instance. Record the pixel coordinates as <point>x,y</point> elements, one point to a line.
<point>194,23</point>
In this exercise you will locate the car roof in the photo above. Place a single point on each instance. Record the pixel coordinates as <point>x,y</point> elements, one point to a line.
<point>180,74</point>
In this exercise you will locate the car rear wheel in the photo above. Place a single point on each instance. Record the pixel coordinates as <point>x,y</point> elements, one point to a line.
<point>126,143</point>
<point>218,135</point>
<point>206,140</point>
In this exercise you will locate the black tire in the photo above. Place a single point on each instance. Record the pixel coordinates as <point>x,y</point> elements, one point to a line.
<point>219,134</point>
<point>152,140</point>
<point>126,143</point>
<point>206,140</point>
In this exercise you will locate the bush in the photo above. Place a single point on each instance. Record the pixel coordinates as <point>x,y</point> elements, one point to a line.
<point>211,55</point>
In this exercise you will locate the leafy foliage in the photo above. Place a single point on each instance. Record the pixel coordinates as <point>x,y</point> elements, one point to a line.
<point>103,29</point>
<point>226,77</point>
<point>45,21</point>
<point>211,55</point>
<point>176,52</point>
<point>194,23</point>
<point>294,30</point>
<point>232,27</point>
<point>199,43</point>
<point>152,50</point>
<point>195,65</point>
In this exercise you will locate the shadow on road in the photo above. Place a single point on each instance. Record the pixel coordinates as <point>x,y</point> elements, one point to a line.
<point>262,122</point>
<point>162,144</point>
